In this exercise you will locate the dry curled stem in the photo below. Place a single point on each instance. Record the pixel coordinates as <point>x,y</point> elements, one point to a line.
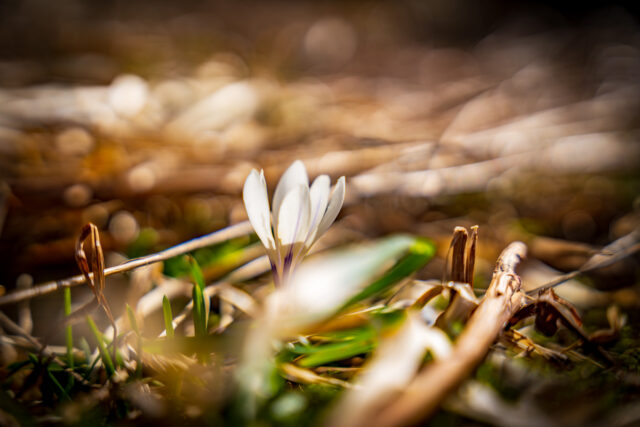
<point>92,268</point>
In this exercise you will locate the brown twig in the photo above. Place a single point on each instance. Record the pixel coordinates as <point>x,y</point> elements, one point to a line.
<point>425,393</point>
<point>233,231</point>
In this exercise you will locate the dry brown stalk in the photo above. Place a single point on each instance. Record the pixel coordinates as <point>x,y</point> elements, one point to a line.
<point>471,256</point>
<point>93,271</point>
<point>425,393</point>
<point>463,252</point>
<point>458,245</point>
<point>231,232</point>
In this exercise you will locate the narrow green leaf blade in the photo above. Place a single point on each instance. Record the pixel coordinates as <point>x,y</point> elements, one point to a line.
<point>168,316</point>
<point>58,389</point>
<point>132,320</point>
<point>104,354</point>
<point>200,318</point>
<point>419,254</point>
<point>338,351</point>
<point>68,336</point>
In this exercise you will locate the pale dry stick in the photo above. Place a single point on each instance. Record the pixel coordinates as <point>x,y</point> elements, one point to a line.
<point>25,320</point>
<point>231,232</point>
<point>21,342</point>
<point>617,250</point>
<point>427,391</point>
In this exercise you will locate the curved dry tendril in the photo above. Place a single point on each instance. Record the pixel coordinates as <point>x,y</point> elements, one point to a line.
<point>93,271</point>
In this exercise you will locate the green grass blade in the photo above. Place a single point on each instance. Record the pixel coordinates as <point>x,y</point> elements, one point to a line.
<point>104,354</point>
<point>196,272</point>
<point>68,336</point>
<point>419,254</point>
<point>134,325</point>
<point>198,312</point>
<point>338,351</point>
<point>132,320</point>
<point>59,390</point>
<point>348,343</point>
<point>200,317</point>
<point>168,316</point>
<point>224,256</point>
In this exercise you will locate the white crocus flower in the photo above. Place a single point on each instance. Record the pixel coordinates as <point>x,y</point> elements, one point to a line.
<point>300,214</point>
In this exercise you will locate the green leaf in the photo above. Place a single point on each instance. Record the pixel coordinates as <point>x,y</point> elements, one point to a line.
<point>199,310</point>
<point>104,354</point>
<point>132,320</point>
<point>84,346</point>
<point>334,339</point>
<point>196,272</point>
<point>419,254</point>
<point>338,351</point>
<point>350,342</point>
<point>224,255</point>
<point>68,337</point>
<point>61,392</point>
<point>168,316</point>
<point>134,325</point>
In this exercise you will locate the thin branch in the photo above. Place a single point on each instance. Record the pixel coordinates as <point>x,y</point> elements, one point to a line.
<point>233,231</point>
<point>625,246</point>
<point>425,393</point>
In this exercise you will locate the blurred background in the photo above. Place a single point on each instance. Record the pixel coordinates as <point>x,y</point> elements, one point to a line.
<point>145,118</point>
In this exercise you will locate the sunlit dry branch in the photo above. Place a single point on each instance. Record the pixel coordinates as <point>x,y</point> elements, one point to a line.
<point>430,387</point>
<point>25,282</point>
<point>236,230</point>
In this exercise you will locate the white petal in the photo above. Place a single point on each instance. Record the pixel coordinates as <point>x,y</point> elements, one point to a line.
<point>295,212</point>
<point>294,176</point>
<point>256,202</point>
<point>335,203</point>
<point>319,195</point>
